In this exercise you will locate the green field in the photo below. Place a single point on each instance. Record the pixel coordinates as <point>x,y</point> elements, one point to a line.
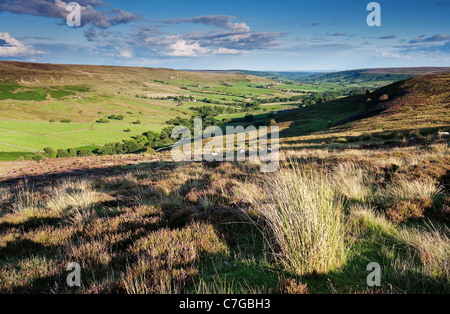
<point>31,113</point>
<point>19,136</point>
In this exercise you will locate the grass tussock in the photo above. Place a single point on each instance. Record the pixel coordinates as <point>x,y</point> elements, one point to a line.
<point>352,182</point>
<point>431,245</point>
<point>304,220</point>
<point>404,199</point>
<point>72,195</point>
<point>25,200</point>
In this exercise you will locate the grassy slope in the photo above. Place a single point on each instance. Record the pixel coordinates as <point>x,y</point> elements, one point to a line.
<point>419,103</point>
<point>32,94</point>
<point>368,78</point>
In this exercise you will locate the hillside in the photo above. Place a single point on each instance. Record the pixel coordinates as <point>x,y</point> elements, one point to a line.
<point>379,72</point>
<point>368,78</point>
<point>420,103</point>
<point>59,106</point>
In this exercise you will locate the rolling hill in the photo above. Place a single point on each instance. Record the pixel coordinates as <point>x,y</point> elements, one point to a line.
<point>36,98</point>
<point>420,105</point>
<point>369,78</point>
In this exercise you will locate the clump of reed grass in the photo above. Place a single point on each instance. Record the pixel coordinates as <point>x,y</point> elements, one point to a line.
<point>304,220</point>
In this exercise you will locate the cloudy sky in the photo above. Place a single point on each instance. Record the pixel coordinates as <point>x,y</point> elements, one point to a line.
<point>289,35</point>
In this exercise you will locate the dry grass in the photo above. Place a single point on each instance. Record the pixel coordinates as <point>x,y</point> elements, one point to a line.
<point>432,247</point>
<point>353,182</point>
<point>24,199</point>
<point>304,219</point>
<point>158,228</point>
<point>72,195</point>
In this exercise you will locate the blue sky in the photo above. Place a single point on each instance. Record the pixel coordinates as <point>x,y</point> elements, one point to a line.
<point>283,35</point>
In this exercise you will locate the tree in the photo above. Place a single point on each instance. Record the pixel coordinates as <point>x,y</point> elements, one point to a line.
<point>103,120</point>
<point>151,136</point>
<point>72,152</point>
<point>38,157</point>
<point>132,146</point>
<point>142,140</point>
<point>63,153</point>
<point>121,148</point>
<point>249,118</point>
<point>108,149</point>
<point>50,152</point>
<point>85,153</point>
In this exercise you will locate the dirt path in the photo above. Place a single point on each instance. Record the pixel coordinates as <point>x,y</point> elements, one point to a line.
<point>68,132</point>
<point>21,147</point>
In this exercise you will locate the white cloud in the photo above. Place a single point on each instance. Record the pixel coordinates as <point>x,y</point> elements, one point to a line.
<point>183,49</point>
<point>394,55</point>
<point>126,53</point>
<point>240,27</point>
<point>11,47</point>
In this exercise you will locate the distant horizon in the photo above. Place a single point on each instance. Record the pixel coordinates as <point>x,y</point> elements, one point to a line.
<point>229,70</point>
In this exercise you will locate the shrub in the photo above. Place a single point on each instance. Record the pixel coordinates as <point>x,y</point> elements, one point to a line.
<point>108,149</point>
<point>62,153</point>
<point>137,122</point>
<point>38,157</point>
<point>72,152</point>
<point>66,121</point>
<point>404,210</point>
<point>50,152</point>
<point>103,120</point>
<point>132,146</point>
<point>85,153</point>
<point>249,118</point>
<point>150,151</point>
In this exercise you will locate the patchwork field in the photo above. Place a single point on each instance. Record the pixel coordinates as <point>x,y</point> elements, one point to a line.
<point>32,95</point>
